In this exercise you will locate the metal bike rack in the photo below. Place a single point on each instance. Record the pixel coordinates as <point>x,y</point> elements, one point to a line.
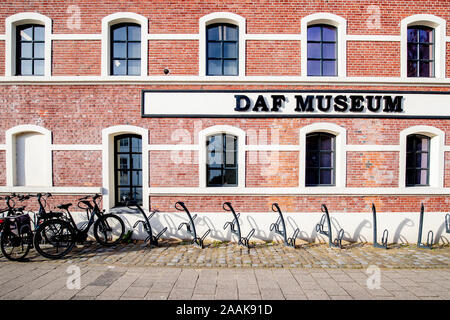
<point>337,243</point>
<point>430,235</point>
<point>235,227</point>
<point>153,240</point>
<point>384,239</point>
<point>447,223</point>
<point>290,242</point>
<point>190,226</point>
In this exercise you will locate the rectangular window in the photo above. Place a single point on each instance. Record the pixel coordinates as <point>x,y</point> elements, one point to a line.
<point>221,161</point>
<point>320,160</point>
<point>30,50</point>
<point>222,50</point>
<point>321,51</point>
<point>417,160</point>
<point>126,49</point>
<point>420,49</point>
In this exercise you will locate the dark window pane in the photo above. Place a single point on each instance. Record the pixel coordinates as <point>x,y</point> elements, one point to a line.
<point>119,67</point>
<point>425,51</point>
<point>412,51</point>
<point>38,67</point>
<point>326,143</point>
<point>230,67</point>
<point>230,50</point>
<point>231,33</point>
<point>424,69</point>
<point>39,50</point>
<point>329,33</point>
<point>214,50</point>
<point>120,50</point>
<point>137,194</point>
<point>134,67</point>
<point>326,176</point>
<point>134,33</point>
<point>119,34</point>
<point>424,144</point>
<point>425,35</point>
<point>314,50</point>
<point>26,34</point>
<point>39,33</point>
<point>312,142</point>
<point>329,68</point>
<point>134,50</point>
<point>312,159</point>
<point>26,67</point>
<point>312,177</point>
<point>213,33</point>
<point>326,159</point>
<point>410,160</point>
<point>214,177</point>
<point>26,50</point>
<point>410,176</point>
<point>124,193</point>
<point>412,69</point>
<point>412,35</point>
<point>314,34</point>
<point>329,51</point>
<point>313,68</point>
<point>214,67</point>
<point>230,177</point>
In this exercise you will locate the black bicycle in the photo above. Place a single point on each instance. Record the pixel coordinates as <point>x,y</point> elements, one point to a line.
<point>56,237</point>
<point>16,234</point>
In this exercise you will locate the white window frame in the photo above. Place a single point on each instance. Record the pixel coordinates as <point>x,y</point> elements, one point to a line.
<point>12,22</point>
<point>340,165</point>
<point>437,156</point>
<point>341,32</point>
<point>11,163</point>
<point>439,26</point>
<point>222,17</point>
<point>108,155</point>
<point>123,17</point>
<point>203,135</point>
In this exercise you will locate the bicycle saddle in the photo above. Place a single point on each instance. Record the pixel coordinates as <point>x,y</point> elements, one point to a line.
<point>64,206</point>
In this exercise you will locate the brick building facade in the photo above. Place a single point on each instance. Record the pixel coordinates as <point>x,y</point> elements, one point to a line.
<point>80,81</point>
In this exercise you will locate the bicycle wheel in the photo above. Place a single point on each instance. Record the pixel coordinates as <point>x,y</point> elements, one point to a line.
<point>54,238</point>
<point>109,229</point>
<point>15,247</point>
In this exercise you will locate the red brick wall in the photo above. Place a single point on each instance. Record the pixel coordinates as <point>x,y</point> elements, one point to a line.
<point>369,59</point>
<point>447,170</point>
<point>447,59</point>
<point>273,58</point>
<point>173,168</point>
<point>77,168</point>
<point>2,58</point>
<point>76,58</point>
<point>2,168</point>
<point>372,169</point>
<point>180,57</point>
<point>271,169</point>
<point>303,203</point>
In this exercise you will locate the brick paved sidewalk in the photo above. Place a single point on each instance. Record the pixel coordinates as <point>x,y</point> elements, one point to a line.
<point>271,255</point>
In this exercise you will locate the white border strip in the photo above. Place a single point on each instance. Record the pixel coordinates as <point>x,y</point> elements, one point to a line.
<point>3,147</point>
<point>54,190</point>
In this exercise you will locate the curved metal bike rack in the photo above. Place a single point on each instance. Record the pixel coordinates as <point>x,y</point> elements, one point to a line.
<point>190,226</point>
<point>290,242</point>
<point>384,238</point>
<point>447,223</point>
<point>153,240</point>
<point>235,227</point>
<point>337,243</point>
<point>430,235</point>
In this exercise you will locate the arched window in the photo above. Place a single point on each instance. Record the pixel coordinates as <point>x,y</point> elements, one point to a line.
<point>128,168</point>
<point>420,51</point>
<point>221,160</point>
<point>322,50</point>
<point>126,49</point>
<point>417,160</point>
<point>222,50</point>
<point>320,159</point>
<point>30,50</point>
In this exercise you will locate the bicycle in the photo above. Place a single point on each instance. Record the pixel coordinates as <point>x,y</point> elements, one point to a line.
<point>16,234</point>
<point>59,234</point>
